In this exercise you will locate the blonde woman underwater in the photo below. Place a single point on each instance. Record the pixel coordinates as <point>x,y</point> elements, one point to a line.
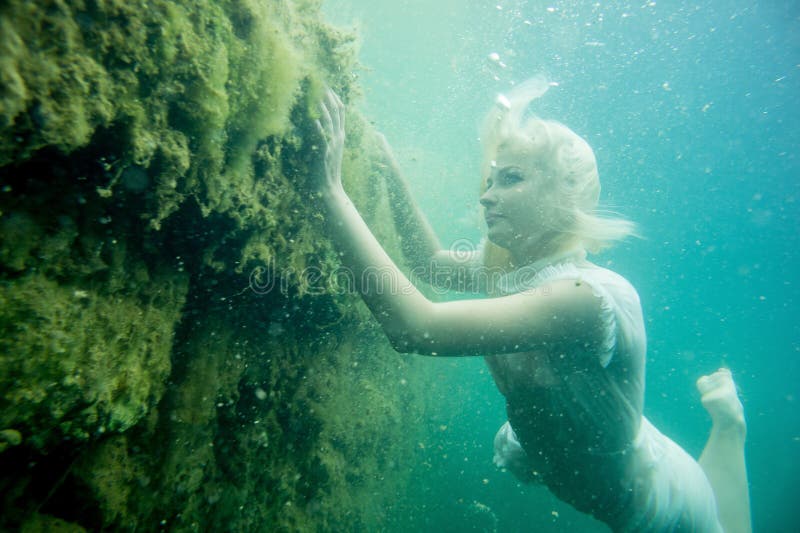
<point>567,336</point>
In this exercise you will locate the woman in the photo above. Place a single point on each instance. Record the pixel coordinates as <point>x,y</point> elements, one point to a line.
<point>567,335</point>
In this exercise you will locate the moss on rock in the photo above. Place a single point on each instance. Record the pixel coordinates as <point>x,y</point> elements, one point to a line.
<point>174,350</point>
<point>78,363</point>
<point>195,84</point>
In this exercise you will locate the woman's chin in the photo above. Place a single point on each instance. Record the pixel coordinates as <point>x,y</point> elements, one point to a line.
<point>497,238</point>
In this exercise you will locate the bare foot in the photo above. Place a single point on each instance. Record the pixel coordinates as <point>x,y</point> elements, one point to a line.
<point>720,399</point>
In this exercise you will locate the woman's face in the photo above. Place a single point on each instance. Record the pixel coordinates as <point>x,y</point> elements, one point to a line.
<point>518,202</point>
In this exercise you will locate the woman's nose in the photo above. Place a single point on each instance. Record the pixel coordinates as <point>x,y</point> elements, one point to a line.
<point>487,198</point>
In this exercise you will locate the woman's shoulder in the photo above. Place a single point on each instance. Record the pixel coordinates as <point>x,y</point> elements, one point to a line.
<point>578,270</point>
<point>606,276</point>
<point>611,287</point>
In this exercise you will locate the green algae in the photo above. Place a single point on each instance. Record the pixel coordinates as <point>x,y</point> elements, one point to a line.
<point>195,84</point>
<point>112,365</point>
<point>154,158</point>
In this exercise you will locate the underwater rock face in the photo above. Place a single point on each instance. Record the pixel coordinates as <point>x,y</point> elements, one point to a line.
<point>172,354</point>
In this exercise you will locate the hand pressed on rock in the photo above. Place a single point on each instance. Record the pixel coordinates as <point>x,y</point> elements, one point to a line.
<point>330,126</point>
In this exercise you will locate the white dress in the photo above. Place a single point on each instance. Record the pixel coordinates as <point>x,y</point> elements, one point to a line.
<point>580,430</point>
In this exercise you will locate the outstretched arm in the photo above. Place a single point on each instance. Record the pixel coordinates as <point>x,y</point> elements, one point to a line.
<point>567,312</point>
<point>444,268</point>
<point>418,240</point>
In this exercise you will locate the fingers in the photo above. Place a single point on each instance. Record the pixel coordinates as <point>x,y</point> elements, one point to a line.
<point>337,109</point>
<point>384,145</point>
<point>326,120</point>
<point>381,138</point>
<point>332,110</point>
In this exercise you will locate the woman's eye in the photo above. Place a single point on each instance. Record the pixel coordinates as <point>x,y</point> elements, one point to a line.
<point>512,176</point>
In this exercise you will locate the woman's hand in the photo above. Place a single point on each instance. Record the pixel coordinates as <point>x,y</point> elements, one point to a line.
<point>331,130</point>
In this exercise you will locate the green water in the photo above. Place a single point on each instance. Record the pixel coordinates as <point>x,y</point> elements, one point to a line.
<point>691,110</point>
<point>154,166</point>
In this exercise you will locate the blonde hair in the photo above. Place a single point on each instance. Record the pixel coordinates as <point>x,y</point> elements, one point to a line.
<point>564,156</point>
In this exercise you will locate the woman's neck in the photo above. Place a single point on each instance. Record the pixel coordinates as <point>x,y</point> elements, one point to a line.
<point>548,245</point>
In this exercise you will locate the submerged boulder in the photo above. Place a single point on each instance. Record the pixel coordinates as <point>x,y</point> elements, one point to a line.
<point>174,350</point>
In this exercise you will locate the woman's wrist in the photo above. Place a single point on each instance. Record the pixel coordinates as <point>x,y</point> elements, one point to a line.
<point>332,194</point>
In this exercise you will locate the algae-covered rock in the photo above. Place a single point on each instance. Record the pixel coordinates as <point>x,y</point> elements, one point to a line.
<point>38,523</point>
<point>194,84</point>
<point>77,363</point>
<point>174,350</point>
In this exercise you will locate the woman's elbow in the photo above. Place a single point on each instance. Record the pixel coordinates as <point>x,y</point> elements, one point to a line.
<point>409,331</point>
<point>401,340</point>
<point>409,342</point>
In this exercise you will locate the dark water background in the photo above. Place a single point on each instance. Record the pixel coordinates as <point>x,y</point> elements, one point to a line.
<point>692,109</point>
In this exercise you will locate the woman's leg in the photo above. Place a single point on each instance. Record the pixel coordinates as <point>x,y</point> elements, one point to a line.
<point>722,459</point>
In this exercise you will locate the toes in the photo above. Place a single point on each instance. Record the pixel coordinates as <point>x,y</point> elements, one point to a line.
<point>720,378</point>
<point>705,384</point>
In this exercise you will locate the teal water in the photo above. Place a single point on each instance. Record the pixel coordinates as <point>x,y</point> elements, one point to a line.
<point>692,110</point>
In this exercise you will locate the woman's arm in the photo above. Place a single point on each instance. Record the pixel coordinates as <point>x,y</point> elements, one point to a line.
<point>443,268</point>
<point>564,313</point>
<point>417,238</point>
